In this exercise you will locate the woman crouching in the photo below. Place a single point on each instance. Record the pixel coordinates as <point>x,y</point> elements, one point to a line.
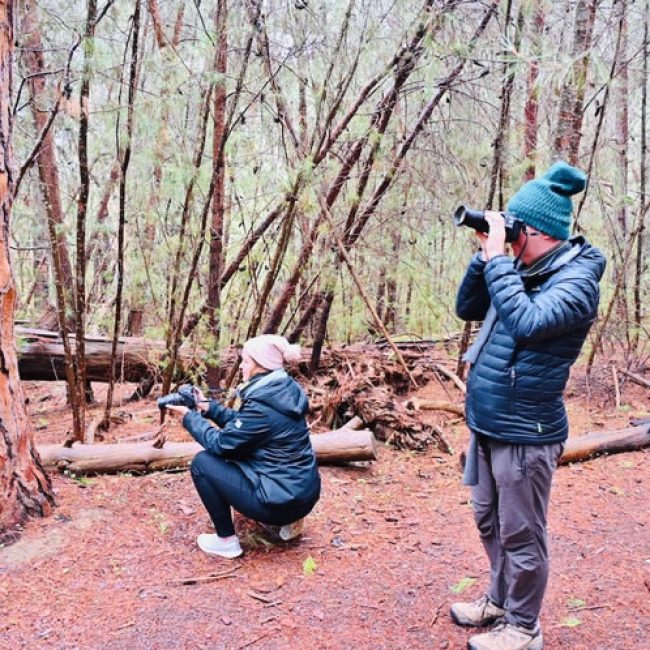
<point>260,460</point>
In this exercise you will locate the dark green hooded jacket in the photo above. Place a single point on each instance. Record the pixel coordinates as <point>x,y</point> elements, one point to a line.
<point>267,436</point>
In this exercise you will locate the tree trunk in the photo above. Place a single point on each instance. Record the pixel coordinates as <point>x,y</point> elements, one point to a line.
<point>640,256</point>
<point>531,108</point>
<point>34,59</point>
<point>124,154</point>
<point>25,489</point>
<point>568,131</point>
<point>341,446</point>
<point>213,371</point>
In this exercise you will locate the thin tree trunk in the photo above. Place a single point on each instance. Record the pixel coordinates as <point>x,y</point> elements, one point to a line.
<point>640,257</point>
<point>82,209</point>
<point>531,109</point>
<point>125,159</point>
<point>622,138</point>
<point>496,176</point>
<point>602,109</point>
<point>25,488</point>
<point>213,370</point>
<point>307,315</point>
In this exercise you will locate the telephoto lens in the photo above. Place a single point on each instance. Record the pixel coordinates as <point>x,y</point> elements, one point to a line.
<point>464,216</point>
<point>184,397</point>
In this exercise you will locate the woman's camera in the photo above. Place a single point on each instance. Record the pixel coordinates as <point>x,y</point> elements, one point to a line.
<point>186,396</point>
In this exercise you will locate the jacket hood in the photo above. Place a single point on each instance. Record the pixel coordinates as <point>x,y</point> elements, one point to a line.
<point>278,391</point>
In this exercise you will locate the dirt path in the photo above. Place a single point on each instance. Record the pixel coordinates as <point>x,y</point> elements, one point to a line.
<point>382,555</point>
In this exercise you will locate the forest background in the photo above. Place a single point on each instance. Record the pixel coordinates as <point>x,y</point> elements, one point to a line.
<point>196,172</point>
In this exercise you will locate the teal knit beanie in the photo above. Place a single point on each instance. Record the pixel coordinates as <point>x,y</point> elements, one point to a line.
<point>545,203</point>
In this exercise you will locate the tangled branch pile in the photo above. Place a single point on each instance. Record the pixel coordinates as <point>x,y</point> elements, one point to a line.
<point>369,382</point>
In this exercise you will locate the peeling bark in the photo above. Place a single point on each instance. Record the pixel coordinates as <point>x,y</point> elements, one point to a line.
<point>25,489</point>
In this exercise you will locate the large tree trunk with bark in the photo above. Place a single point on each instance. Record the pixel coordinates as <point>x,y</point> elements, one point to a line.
<point>341,446</point>
<point>25,489</point>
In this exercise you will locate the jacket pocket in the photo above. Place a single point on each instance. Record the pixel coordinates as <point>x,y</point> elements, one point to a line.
<point>513,389</point>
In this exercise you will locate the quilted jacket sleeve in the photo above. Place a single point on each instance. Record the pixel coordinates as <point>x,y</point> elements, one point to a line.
<point>473,299</point>
<point>571,302</point>
<point>219,413</point>
<point>243,431</point>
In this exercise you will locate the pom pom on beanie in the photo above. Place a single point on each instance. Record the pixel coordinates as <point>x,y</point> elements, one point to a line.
<point>545,203</point>
<point>271,351</point>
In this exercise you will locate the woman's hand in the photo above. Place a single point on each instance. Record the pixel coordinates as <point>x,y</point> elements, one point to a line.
<point>177,410</point>
<point>202,401</point>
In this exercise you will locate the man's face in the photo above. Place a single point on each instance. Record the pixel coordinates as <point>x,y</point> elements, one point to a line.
<point>527,242</point>
<point>532,244</point>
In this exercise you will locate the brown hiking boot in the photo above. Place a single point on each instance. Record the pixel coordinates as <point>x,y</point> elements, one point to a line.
<point>480,613</point>
<point>507,636</point>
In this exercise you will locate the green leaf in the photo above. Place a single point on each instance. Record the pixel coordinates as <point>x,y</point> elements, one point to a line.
<point>309,566</point>
<point>571,621</point>
<point>463,584</point>
<point>576,602</point>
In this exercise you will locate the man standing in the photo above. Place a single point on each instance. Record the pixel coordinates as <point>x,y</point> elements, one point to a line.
<point>536,313</point>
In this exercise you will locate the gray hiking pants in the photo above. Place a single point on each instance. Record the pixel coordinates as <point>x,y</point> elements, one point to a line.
<point>510,504</point>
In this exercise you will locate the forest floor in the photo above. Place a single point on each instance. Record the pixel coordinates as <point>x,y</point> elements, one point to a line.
<point>386,551</point>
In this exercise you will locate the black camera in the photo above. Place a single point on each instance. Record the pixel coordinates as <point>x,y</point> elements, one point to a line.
<point>186,396</point>
<point>476,219</point>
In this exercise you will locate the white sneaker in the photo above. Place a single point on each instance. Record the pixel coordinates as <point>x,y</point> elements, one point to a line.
<point>291,531</point>
<point>215,545</point>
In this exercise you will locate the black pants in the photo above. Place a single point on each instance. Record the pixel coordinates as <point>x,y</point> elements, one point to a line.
<point>221,484</point>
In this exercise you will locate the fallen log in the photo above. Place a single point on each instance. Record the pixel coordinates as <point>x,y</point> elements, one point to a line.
<point>591,444</point>
<point>41,357</point>
<point>339,446</point>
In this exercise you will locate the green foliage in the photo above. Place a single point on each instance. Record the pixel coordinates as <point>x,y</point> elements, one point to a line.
<point>309,566</point>
<point>409,234</point>
<point>462,585</point>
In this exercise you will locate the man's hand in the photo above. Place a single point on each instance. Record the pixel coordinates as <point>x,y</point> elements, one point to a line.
<point>494,243</point>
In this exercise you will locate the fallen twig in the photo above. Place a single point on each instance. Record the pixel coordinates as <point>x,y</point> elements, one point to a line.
<point>451,375</point>
<point>256,639</point>
<point>262,598</point>
<point>206,578</point>
<point>637,379</point>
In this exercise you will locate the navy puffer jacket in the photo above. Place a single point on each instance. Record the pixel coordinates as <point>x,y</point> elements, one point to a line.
<point>543,313</point>
<point>267,436</point>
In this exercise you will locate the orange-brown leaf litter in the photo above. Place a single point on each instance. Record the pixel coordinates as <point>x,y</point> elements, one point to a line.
<point>377,566</point>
